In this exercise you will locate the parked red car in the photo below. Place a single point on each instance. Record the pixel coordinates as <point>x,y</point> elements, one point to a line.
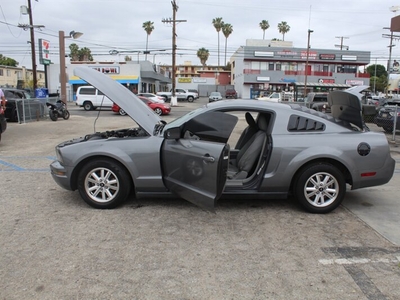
<point>159,108</point>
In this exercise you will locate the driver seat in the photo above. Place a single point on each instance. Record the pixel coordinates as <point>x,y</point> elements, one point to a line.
<point>249,154</point>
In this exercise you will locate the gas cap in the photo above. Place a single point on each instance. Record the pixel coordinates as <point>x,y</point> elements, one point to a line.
<point>363,149</point>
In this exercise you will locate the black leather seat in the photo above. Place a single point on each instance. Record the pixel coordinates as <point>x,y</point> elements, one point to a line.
<point>249,131</point>
<point>249,154</point>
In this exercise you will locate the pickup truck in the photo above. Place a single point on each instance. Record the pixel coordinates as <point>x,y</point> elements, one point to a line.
<point>181,95</point>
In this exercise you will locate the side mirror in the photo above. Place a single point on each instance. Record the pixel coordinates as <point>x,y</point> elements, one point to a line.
<point>172,133</point>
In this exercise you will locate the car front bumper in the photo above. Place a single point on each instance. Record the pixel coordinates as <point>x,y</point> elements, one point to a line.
<point>60,175</point>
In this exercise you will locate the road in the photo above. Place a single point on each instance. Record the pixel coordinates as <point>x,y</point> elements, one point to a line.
<point>53,246</point>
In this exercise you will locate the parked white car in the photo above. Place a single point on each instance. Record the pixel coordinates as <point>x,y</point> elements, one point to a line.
<point>153,97</point>
<point>90,98</point>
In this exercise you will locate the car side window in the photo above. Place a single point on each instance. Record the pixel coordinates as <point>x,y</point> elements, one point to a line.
<point>87,91</point>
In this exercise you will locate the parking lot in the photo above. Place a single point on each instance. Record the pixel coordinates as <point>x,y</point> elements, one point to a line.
<point>53,246</point>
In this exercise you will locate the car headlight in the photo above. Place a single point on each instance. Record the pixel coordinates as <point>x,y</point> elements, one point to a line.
<point>59,155</point>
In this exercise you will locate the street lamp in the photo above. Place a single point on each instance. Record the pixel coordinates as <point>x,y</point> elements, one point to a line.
<point>308,54</point>
<point>63,75</point>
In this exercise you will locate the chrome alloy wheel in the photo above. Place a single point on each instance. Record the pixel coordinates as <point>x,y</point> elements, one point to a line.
<point>321,189</point>
<point>102,185</point>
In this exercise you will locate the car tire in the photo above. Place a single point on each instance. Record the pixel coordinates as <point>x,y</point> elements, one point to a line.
<point>190,99</point>
<point>103,183</point>
<point>388,129</point>
<point>53,115</point>
<point>87,105</point>
<point>122,112</point>
<point>66,114</point>
<point>158,111</point>
<point>320,188</point>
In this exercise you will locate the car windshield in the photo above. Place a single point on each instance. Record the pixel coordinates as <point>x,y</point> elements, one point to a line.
<point>215,94</point>
<point>182,119</point>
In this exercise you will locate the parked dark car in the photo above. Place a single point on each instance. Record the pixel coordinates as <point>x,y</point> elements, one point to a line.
<point>385,116</point>
<point>12,95</point>
<point>281,150</point>
<point>231,93</point>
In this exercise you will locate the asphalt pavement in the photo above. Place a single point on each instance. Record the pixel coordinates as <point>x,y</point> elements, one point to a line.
<point>53,246</point>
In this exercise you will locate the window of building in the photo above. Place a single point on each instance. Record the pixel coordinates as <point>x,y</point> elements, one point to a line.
<point>263,65</point>
<point>1,72</point>
<point>255,65</point>
<point>271,66</point>
<point>8,73</point>
<point>325,68</point>
<point>278,66</point>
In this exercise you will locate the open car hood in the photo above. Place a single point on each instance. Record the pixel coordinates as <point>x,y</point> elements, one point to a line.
<point>346,105</point>
<point>120,95</point>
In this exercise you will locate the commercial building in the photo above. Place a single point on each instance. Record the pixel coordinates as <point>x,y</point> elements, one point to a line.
<point>264,66</point>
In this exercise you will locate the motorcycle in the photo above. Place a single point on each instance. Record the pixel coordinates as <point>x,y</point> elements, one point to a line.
<point>58,110</point>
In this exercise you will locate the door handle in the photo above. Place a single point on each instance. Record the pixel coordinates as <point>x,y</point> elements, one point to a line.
<point>208,158</point>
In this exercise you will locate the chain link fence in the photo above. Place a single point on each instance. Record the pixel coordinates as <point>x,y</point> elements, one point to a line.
<point>34,109</point>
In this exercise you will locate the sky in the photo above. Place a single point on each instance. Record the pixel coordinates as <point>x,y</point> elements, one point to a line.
<point>117,25</point>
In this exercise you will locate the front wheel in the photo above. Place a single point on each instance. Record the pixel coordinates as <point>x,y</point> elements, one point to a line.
<point>66,114</point>
<point>320,188</point>
<point>158,111</point>
<point>190,99</point>
<point>103,183</point>
<point>53,115</point>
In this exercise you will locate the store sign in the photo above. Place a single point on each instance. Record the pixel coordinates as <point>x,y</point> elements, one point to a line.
<point>354,82</point>
<point>263,78</point>
<point>44,52</point>
<point>321,80</point>
<point>286,53</point>
<point>184,79</point>
<point>199,80</point>
<point>107,70</point>
<point>311,55</point>
<point>263,53</point>
<point>349,57</point>
<point>327,56</point>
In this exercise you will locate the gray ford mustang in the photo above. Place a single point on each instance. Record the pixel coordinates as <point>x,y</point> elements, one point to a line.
<point>232,148</point>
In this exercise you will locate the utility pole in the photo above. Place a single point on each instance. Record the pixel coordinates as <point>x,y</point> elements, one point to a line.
<point>32,33</point>
<point>341,46</point>
<point>174,21</point>
<point>391,36</point>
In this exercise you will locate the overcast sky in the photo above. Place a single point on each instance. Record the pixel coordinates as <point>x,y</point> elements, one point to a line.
<point>117,24</point>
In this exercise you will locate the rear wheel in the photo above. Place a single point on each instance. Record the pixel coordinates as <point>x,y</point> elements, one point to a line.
<point>53,115</point>
<point>320,188</point>
<point>104,183</point>
<point>88,105</point>
<point>190,99</point>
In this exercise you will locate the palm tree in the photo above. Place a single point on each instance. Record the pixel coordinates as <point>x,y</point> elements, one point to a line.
<point>148,27</point>
<point>203,55</point>
<point>218,23</point>
<point>283,28</point>
<point>264,26</point>
<point>227,29</point>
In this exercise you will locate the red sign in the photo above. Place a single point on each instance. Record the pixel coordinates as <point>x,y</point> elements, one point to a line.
<point>326,80</point>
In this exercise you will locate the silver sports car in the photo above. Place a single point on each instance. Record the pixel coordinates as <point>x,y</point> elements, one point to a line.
<point>230,148</point>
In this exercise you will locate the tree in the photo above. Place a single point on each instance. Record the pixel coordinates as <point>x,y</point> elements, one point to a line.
<point>148,27</point>
<point>227,29</point>
<point>264,26</point>
<point>128,58</point>
<point>76,54</point>
<point>283,28</point>
<point>203,55</point>
<point>218,23</point>
<point>380,70</point>
<point>6,61</point>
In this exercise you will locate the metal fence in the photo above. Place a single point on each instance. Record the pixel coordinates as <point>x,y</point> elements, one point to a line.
<point>33,109</point>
